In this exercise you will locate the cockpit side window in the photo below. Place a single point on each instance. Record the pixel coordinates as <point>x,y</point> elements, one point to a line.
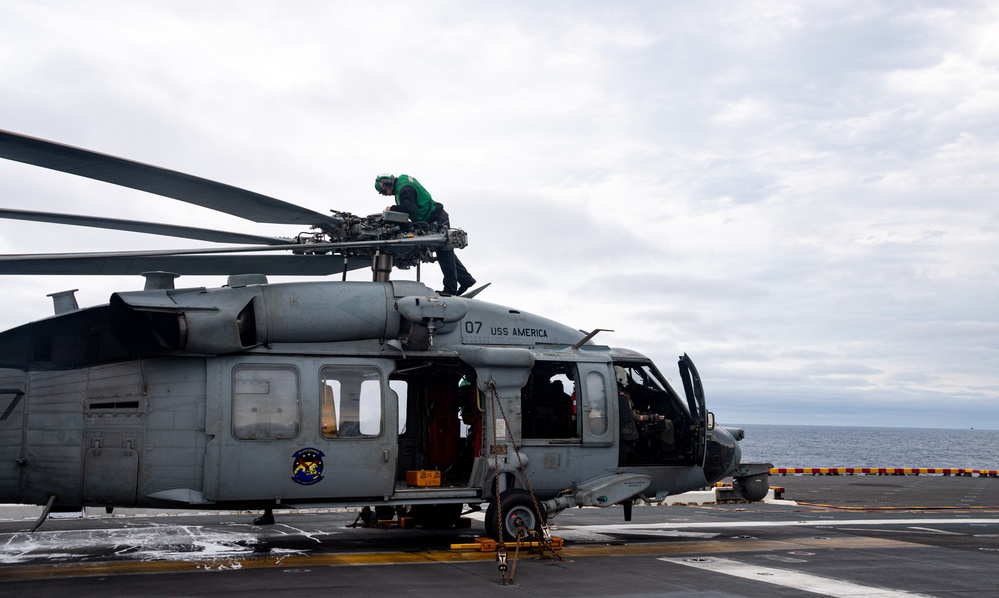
<point>648,389</point>
<point>654,421</point>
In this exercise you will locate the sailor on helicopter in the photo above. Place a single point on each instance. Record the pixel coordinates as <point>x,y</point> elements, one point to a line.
<point>413,199</point>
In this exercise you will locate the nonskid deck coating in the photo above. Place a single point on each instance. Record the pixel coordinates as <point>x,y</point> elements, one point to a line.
<point>941,535</point>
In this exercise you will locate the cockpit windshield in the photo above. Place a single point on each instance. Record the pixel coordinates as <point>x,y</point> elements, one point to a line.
<point>643,379</point>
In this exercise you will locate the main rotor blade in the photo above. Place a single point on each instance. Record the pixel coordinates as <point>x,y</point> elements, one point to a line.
<point>308,248</point>
<point>153,179</point>
<point>153,228</point>
<point>188,261</point>
<point>201,265</point>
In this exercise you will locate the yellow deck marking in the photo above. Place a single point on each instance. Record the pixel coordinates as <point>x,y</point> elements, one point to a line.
<point>428,557</point>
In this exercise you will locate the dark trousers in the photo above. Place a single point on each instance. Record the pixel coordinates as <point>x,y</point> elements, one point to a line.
<point>455,273</point>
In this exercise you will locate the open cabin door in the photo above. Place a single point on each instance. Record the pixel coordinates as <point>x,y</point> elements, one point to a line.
<point>694,391</point>
<point>308,430</point>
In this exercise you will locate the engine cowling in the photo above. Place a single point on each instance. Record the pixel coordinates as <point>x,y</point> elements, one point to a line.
<point>228,320</point>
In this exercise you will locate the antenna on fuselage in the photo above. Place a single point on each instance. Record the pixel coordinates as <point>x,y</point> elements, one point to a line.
<point>590,335</point>
<point>64,301</point>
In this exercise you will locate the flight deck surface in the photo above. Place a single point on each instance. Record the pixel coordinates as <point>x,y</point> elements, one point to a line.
<point>833,535</point>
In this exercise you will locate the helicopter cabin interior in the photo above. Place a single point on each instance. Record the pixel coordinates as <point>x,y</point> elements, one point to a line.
<point>440,416</point>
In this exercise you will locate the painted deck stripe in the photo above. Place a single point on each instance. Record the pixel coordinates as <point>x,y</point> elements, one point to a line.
<point>790,579</point>
<point>110,568</point>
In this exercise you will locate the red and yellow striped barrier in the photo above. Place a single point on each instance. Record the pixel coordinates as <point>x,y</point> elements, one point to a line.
<point>944,471</point>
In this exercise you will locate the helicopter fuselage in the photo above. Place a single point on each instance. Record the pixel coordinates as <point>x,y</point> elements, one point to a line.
<point>349,393</point>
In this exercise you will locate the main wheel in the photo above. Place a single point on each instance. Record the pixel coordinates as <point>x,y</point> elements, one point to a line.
<point>517,508</point>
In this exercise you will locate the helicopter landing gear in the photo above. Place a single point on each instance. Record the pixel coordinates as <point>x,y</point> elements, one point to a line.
<point>517,508</point>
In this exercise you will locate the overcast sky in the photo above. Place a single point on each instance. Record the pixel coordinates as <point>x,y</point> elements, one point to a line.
<point>803,197</point>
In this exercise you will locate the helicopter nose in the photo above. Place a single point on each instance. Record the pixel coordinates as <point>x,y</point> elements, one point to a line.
<point>722,455</point>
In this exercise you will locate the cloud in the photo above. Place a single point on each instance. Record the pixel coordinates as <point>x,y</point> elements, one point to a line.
<point>801,197</point>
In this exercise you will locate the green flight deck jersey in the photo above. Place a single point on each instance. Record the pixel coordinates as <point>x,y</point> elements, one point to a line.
<point>425,205</point>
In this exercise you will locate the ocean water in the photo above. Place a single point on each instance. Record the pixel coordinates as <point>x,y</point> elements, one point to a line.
<point>839,446</point>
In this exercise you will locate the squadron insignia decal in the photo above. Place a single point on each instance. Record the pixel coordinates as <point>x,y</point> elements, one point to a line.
<point>307,468</point>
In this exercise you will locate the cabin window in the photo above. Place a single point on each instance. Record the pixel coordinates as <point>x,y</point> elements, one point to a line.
<point>265,402</point>
<point>596,403</point>
<point>351,402</point>
<point>548,401</point>
<point>401,388</point>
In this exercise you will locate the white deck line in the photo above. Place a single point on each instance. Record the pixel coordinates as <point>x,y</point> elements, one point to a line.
<point>790,579</point>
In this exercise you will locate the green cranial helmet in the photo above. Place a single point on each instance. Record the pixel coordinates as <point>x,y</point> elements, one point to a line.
<point>383,180</point>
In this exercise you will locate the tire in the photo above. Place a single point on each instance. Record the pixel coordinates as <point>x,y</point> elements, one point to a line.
<point>515,504</point>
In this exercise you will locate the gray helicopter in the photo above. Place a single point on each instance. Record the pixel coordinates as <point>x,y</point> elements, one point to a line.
<point>260,395</point>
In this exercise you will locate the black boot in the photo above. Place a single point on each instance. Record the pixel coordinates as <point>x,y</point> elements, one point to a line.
<point>464,287</point>
<point>266,519</point>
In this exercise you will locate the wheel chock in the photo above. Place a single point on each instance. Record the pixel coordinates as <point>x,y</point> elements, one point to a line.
<point>490,545</point>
